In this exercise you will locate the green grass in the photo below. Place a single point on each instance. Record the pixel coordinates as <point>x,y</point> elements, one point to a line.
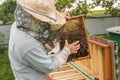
<point>1,37</point>
<point>105,36</point>
<point>5,69</point>
<point>96,12</point>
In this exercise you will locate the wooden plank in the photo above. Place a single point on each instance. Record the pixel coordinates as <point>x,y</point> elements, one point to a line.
<point>84,68</point>
<point>98,43</point>
<point>63,71</point>
<point>71,74</point>
<point>114,50</point>
<point>82,71</point>
<point>100,61</point>
<point>94,64</point>
<point>107,65</point>
<point>62,76</point>
<point>92,59</point>
<point>48,77</point>
<point>71,77</point>
<point>91,51</point>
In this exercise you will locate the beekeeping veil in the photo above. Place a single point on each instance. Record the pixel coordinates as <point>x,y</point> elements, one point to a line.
<point>44,10</point>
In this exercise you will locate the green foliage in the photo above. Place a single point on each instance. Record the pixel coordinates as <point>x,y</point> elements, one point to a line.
<point>7,11</point>
<point>8,7</point>
<point>108,5</point>
<point>115,12</point>
<point>61,5</point>
<point>2,37</point>
<point>5,70</point>
<point>82,8</point>
<point>94,12</point>
<point>104,36</point>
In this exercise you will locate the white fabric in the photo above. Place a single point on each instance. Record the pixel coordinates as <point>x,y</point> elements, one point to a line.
<point>44,10</point>
<point>28,58</point>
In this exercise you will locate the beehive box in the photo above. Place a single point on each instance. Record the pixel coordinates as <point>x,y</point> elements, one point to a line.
<point>74,30</point>
<point>67,72</point>
<point>100,65</point>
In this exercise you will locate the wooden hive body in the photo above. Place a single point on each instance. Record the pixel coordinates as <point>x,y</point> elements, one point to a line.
<point>98,65</point>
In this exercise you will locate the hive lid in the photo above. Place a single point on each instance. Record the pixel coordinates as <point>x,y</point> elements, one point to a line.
<point>115,29</point>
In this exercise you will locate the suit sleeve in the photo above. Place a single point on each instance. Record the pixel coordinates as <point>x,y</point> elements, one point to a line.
<point>37,59</point>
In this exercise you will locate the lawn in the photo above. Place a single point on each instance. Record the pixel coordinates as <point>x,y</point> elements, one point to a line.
<point>105,36</point>
<point>1,37</point>
<point>5,70</point>
<point>96,12</point>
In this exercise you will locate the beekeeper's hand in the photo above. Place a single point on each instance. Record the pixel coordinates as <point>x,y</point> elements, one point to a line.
<point>66,15</point>
<point>73,47</point>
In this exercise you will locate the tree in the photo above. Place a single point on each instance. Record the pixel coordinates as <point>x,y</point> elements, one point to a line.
<point>8,7</point>
<point>7,11</point>
<point>82,8</point>
<point>61,5</point>
<point>108,5</point>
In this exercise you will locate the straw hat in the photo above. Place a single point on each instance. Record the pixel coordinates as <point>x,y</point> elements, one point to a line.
<point>45,11</point>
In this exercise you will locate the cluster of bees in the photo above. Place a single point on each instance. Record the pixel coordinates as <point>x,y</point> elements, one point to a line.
<point>74,30</point>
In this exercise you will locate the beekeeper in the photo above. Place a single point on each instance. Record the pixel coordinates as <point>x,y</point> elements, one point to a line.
<point>28,39</point>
